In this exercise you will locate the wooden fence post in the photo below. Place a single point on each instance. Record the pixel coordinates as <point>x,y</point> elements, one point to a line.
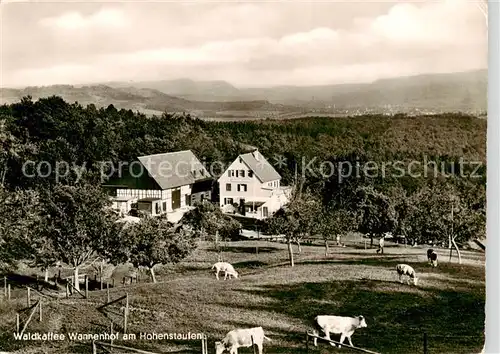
<point>39,310</point>
<point>113,282</point>
<point>67,290</point>
<point>100,274</point>
<point>5,286</point>
<point>17,322</point>
<point>111,329</point>
<point>307,342</point>
<point>29,297</point>
<point>86,286</point>
<point>425,343</point>
<point>107,290</point>
<point>125,315</point>
<point>8,291</point>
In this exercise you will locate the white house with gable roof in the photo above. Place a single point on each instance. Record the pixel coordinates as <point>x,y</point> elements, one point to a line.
<point>251,187</point>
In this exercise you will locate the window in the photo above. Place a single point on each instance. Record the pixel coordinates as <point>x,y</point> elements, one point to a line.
<point>228,200</point>
<point>250,174</point>
<point>265,212</point>
<point>228,187</point>
<point>237,173</point>
<point>164,206</point>
<point>158,211</point>
<point>242,187</point>
<point>242,173</point>
<point>230,173</point>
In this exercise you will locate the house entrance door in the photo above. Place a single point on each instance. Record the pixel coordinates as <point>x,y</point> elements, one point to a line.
<point>176,199</point>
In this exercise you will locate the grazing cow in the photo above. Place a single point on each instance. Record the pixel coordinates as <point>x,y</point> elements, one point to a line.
<point>345,326</point>
<point>225,267</point>
<point>405,269</point>
<point>241,338</point>
<point>432,257</point>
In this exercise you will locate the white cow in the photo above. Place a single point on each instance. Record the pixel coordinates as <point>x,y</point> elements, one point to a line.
<point>241,338</point>
<point>405,269</point>
<point>225,267</point>
<point>345,326</point>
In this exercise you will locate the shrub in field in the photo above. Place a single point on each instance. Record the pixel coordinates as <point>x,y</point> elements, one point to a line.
<point>151,242</point>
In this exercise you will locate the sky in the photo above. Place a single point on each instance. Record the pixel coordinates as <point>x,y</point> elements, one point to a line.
<point>248,44</point>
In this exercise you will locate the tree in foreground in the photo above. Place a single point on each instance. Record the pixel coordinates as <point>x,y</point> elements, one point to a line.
<point>20,214</point>
<point>333,222</point>
<point>376,213</point>
<point>285,222</point>
<point>151,242</point>
<point>76,225</point>
<point>295,220</point>
<point>443,214</point>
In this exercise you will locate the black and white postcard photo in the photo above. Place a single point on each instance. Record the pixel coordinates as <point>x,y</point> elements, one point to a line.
<point>252,177</point>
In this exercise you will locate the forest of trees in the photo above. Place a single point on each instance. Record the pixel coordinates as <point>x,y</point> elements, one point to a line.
<point>46,217</point>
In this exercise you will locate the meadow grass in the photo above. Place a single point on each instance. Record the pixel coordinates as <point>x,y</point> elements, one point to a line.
<point>448,304</point>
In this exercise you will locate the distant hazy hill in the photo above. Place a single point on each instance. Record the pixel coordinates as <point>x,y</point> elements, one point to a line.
<point>142,99</point>
<point>465,91</point>
<point>455,91</point>
<point>189,89</point>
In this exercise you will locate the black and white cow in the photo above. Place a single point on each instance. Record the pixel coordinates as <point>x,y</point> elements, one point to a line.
<point>432,257</point>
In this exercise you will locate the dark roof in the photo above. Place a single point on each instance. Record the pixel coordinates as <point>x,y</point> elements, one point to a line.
<point>202,186</point>
<point>175,169</point>
<point>264,171</point>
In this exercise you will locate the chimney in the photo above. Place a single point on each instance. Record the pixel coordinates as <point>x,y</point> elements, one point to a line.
<point>256,155</point>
